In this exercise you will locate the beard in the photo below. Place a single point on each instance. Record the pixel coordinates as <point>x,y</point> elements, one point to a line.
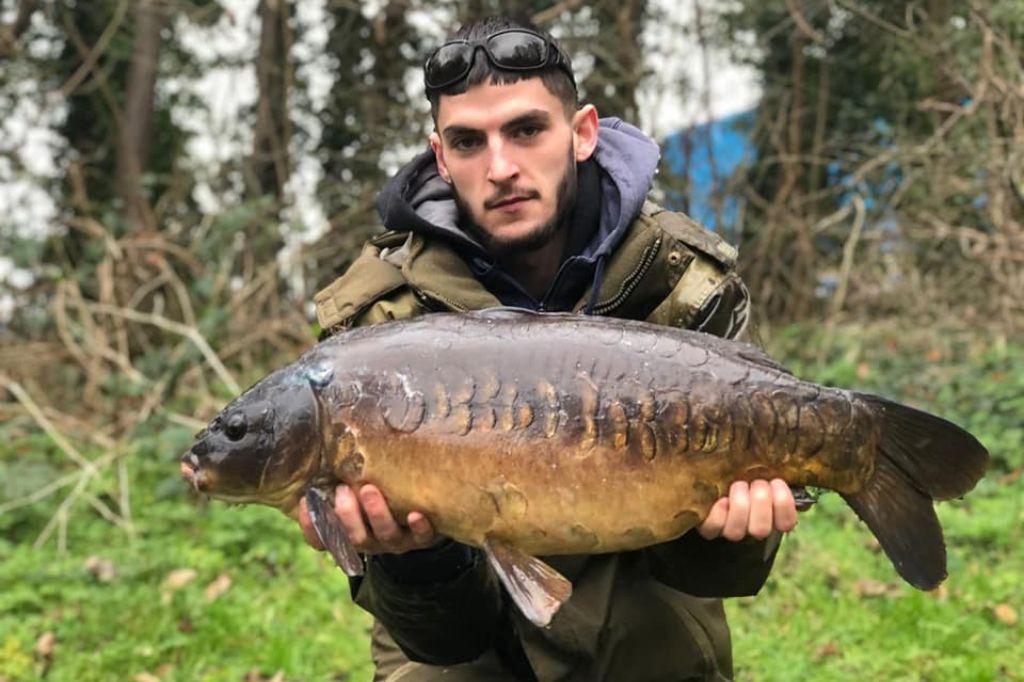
<point>541,234</point>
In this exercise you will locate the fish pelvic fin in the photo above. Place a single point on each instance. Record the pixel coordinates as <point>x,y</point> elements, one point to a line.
<point>921,458</point>
<point>536,588</point>
<point>331,533</point>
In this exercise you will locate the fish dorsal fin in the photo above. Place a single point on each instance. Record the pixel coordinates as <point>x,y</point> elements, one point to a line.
<point>332,535</point>
<point>536,588</point>
<point>752,353</point>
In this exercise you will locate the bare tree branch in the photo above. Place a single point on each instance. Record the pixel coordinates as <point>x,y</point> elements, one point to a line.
<point>551,13</point>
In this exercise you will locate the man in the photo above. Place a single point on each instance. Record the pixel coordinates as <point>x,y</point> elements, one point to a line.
<point>527,199</point>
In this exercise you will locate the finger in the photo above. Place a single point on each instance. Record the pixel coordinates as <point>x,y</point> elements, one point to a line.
<point>739,511</point>
<point>312,538</point>
<point>783,506</point>
<point>422,531</point>
<point>712,526</point>
<point>346,506</point>
<point>759,523</point>
<point>382,521</point>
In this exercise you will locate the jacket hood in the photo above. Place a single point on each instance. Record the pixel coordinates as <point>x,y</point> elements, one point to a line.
<point>613,186</point>
<point>416,199</point>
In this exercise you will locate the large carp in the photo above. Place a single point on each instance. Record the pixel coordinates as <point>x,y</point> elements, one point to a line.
<point>528,434</point>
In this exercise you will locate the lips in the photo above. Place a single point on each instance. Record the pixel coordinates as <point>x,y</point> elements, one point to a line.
<point>509,202</point>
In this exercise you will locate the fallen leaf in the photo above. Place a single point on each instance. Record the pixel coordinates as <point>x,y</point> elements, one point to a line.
<point>179,577</point>
<point>102,568</point>
<point>827,650</point>
<point>45,644</point>
<point>941,592</point>
<point>863,370</point>
<point>218,586</point>
<point>1006,614</point>
<point>870,588</point>
<point>934,355</point>
<point>146,677</point>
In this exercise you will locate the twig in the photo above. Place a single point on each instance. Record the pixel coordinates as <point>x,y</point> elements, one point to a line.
<point>801,23</point>
<point>90,59</point>
<point>184,420</point>
<point>874,19</point>
<point>849,248</point>
<point>40,494</point>
<point>33,409</point>
<point>59,520</point>
<point>551,13</point>
<point>106,512</point>
<point>191,333</point>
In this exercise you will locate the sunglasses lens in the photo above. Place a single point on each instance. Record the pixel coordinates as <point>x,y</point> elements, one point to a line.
<point>518,50</point>
<point>449,64</point>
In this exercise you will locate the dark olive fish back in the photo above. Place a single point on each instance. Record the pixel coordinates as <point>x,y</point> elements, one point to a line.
<point>530,434</point>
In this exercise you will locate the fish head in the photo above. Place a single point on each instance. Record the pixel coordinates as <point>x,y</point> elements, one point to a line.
<point>264,447</point>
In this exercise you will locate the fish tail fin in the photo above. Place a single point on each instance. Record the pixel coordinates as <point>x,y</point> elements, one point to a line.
<point>921,458</point>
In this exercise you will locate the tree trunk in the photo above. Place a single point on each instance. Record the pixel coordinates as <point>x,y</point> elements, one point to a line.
<point>270,161</point>
<point>137,122</point>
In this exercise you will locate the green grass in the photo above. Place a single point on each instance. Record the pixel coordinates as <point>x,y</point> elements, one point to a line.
<point>833,609</point>
<point>286,609</point>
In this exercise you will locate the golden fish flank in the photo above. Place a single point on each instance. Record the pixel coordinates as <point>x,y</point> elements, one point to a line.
<point>527,434</point>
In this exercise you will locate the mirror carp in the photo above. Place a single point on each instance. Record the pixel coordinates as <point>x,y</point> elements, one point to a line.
<point>531,434</point>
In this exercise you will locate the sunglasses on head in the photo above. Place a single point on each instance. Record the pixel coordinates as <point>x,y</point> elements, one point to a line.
<point>514,49</point>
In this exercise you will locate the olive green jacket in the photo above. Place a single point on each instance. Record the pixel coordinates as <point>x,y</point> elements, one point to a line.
<point>652,614</point>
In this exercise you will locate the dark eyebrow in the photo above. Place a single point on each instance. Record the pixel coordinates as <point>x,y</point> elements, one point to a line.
<point>535,117</point>
<point>454,131</point>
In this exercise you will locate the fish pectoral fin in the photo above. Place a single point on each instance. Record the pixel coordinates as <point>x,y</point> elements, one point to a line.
<point>536,588</point>
<point>803,498</point>
<point>332,535</point>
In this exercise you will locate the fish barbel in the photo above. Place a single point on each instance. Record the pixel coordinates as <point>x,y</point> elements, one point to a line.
<point>541,434</point>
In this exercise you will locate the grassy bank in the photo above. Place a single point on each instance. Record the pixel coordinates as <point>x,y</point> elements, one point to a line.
<point>182,590</point>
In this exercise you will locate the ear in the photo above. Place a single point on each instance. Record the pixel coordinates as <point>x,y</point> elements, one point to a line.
<point>442,167</point>
<point>584,132</point>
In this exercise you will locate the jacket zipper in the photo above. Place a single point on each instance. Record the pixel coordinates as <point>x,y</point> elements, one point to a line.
<point>632,281</point>
<point>458,307</point>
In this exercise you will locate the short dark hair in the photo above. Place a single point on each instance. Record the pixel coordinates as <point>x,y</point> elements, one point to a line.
<point>555,80</point>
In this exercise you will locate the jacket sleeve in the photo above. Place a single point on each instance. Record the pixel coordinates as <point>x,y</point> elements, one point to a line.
<point>713,568</point>
<point>720,567</point>
<point>442,605</point>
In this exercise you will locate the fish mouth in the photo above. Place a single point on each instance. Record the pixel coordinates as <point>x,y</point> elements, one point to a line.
<point>192,474</point>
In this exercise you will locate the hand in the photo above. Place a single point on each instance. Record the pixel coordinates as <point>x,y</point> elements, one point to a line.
<point>753,510</point>
<point>370,525</point>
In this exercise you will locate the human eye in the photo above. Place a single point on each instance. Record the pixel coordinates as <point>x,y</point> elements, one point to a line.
<point>528,130</point>
<point>464,143</point>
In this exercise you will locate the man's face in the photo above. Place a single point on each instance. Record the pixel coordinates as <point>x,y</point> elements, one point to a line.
<point>510,154</point>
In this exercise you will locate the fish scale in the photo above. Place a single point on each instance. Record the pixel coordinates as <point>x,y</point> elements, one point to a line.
<point>527,434</point>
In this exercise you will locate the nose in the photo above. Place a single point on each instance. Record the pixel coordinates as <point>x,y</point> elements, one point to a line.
<point>502,166</point>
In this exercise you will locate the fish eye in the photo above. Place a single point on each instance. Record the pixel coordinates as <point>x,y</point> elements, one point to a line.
<point>235,426</point>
